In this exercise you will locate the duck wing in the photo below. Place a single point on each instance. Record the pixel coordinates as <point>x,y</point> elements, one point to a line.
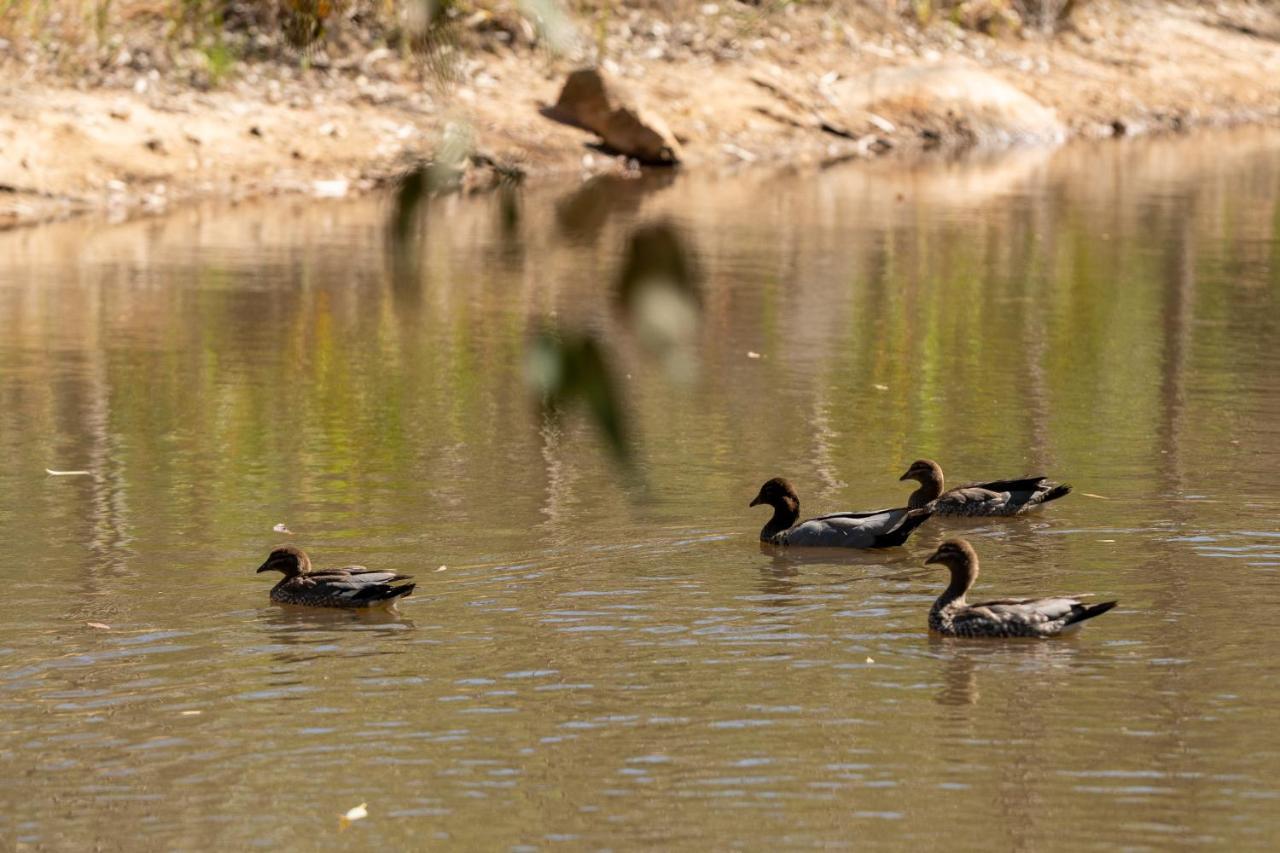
<point>353,586</point>
<point>972,500</point>
<point>880,529</point>
<point>1028,616</point>
<point>1014,496</point>
<point>359,574</point>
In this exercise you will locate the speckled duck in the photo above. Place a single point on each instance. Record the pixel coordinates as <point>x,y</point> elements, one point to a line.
<point>880,529</point>
<point>999,497</point>
<point>952,616</point>
<point>353,586</point>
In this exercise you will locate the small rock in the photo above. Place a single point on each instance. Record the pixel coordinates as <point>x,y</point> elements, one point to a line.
<point>330,189</point>
<point>955,103</point>
<point>881,123</point>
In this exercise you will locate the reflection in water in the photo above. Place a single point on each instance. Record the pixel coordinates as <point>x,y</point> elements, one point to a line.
<point>1036,665</point>
<point>582,214</point>
<point>601,662</point>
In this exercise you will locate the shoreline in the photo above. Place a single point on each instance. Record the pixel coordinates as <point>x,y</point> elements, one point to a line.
<point>793,89</point>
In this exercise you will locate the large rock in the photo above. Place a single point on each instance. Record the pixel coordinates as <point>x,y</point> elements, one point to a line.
<point>589,102</point>
<point>950,104</point>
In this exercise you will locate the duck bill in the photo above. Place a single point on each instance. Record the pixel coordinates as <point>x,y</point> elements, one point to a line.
<point>933,559</point>
<point>265,567</point>
<point>906,476</point>
<point>755,502</point>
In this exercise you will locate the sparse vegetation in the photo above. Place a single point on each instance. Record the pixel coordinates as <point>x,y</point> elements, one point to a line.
<point>88,34</point>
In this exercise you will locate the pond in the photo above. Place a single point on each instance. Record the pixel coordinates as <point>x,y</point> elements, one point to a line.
<point>603,657</point>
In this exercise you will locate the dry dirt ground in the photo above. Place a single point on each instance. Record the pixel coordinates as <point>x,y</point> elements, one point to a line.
<point>737,86</point>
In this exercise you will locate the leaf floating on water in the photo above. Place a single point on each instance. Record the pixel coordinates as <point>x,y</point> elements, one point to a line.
<point>871,660</point>
<point>753,354</point>
<point>1099,497</point>
<point>880,387</point>
<point>360,812</point>
<point>280,528</point>
<point>192,713</point>
<point>53,473</point>
<point>101,626</point>
<point>442,568</point>
<point>1106,540</point>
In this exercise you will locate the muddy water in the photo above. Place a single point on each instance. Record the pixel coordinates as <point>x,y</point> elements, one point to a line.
<point>613,661</point>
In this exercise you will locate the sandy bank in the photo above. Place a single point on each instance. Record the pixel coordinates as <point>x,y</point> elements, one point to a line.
<point>736,85</point>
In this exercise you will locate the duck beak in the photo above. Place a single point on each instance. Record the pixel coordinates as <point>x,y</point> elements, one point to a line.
<point>933,558</point>
<point>755,502</point>
<point>265,567</point>
<point>906,476</point>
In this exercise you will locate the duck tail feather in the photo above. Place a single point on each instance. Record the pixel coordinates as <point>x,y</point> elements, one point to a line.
<point>1060,490</point>
<point>1089,611</point>
<point>402,591</point>
<point>913,519</point>
<point>382,592</point>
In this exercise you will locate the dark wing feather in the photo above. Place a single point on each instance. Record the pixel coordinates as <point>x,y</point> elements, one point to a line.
<point>357,585</point>
<point>1026,484</point>
<point>855,514</point>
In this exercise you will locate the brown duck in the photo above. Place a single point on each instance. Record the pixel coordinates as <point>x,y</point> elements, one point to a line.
<point>879,529</point>
<point>999,497</point>
<point>353,586</point>
<point>1029,617</point>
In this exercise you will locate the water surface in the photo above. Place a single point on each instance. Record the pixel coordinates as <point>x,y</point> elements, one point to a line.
<point>612,661</point>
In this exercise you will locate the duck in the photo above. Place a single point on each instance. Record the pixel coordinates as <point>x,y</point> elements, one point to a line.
<point>879,529</point>
<point>999,497</point>
<point>953,616</point>
<point>352,586</point>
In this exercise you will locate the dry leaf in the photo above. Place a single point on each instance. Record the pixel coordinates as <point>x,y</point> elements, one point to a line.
<point>101,626</point>
<point>880,387</point>
<point>752,354</point>
<point>53,473</point>
<point>190,713</point>
<point>871,660</point>
<point>442,568</point>
<point>280,528</point>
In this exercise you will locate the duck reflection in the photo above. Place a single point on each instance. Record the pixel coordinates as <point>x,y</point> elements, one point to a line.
<point>962,659</point>
<point>303,634</point>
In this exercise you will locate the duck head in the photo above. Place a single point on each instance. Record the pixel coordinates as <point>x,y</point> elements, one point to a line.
<point>778,494</point>
<point>923,471</point>
<point>958,556</point>
<point>288,560</point>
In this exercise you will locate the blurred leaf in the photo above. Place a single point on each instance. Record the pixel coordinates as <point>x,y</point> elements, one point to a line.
<point>566,370</point>
<point>659,294</point>
<point>553,24</point>
<point>656,254</point>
